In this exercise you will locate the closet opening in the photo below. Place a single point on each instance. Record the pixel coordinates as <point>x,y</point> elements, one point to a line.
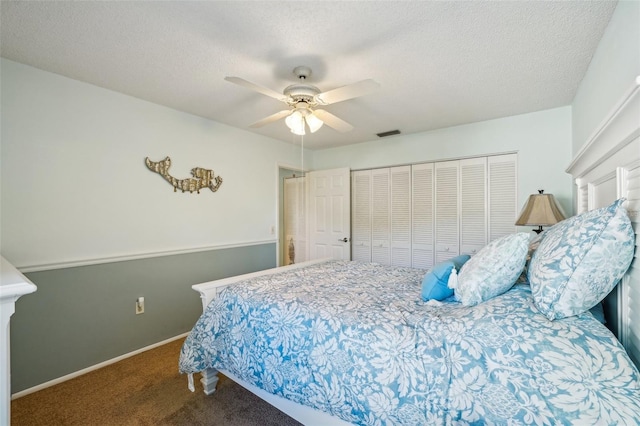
<point>292,204</point>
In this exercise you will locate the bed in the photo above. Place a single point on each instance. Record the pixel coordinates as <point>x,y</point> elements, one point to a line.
<point>326,346</point>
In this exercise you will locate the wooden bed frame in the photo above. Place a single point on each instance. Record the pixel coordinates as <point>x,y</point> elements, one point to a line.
<point>605,169</point>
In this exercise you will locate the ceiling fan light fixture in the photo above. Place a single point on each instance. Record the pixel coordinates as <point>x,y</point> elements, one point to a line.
<point>295,122</point>
<point>313,122</point>
<point>302,97</point>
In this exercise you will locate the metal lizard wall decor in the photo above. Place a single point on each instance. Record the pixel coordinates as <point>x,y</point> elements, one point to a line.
<point>202,178</point>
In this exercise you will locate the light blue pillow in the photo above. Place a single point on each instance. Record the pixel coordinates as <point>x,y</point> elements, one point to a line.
<point>435,281</point>
<point>580,260</point>
<point>493,270</point>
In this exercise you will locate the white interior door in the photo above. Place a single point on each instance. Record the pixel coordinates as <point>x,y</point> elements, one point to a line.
<point>330,214</point>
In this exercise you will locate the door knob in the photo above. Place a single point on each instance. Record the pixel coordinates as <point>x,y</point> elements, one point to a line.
<point>344,240</point>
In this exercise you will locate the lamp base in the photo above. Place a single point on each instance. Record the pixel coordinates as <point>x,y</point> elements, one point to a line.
<point>538,230</point>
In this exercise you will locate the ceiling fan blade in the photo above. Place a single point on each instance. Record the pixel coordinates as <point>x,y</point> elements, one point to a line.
<point>333,121</point>
<point>249,85</point>
<point>270,119</point>
<point>347,92</point>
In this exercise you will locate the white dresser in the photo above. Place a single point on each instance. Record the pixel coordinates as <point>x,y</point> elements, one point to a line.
<point>12,285</point>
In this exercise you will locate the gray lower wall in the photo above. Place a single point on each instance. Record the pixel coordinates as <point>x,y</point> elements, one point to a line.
<point>82,316</point>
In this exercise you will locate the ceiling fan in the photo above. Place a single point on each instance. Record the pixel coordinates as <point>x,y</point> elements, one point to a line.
<point>303,99</point>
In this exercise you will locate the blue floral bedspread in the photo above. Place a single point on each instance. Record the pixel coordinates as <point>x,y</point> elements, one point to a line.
<point>371,352</point>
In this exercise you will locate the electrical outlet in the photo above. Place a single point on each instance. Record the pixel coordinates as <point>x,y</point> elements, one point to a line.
<point>140,306</point>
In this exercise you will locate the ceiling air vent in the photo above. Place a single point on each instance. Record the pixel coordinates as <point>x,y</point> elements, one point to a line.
<point>389,133</point>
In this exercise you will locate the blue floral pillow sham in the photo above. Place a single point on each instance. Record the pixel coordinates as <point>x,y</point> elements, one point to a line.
<point>493,270</point>
<point>435,284</point>
<point>580,260</point>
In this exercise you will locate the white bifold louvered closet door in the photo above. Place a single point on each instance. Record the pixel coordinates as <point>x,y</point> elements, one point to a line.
<point>423,214</point>
<point>422,211</point>
<point>361,215</point>
<point>502,198</point>
<point>473,205</point>
<point>381,219</point>
<point>447,211</point>
<point>400,215</point>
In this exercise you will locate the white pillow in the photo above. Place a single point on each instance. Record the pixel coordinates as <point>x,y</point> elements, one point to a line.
<point>493,270</point>
<point>580,260</point>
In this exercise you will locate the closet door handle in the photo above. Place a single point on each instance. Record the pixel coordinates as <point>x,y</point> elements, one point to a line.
<point>344,240</point>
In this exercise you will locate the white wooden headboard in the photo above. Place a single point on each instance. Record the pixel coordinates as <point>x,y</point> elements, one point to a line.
<point>605,169</point>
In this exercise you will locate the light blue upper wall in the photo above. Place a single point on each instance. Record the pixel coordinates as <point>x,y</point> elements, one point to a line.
<point>611,73</point>
<point>541,139</point>
<point>75,186</point>
<point>76,191</point>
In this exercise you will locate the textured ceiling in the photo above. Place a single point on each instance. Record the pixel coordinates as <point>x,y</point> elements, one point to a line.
<point>439,63</point>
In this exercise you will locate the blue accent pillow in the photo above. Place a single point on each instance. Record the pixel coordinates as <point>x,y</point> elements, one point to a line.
<point>580,260</point>
<point>493,270</point>
<point>435,282</point>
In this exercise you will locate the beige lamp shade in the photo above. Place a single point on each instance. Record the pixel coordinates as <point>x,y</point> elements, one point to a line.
<point>540,210</point>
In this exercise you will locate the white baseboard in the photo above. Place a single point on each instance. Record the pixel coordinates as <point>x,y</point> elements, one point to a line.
<point>93,368</point>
